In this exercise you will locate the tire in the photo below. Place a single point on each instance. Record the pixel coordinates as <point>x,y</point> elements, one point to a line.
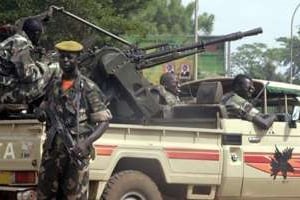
<point>131,185</point>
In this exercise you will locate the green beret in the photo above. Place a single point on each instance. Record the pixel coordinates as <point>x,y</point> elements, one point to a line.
<point>69,46</point>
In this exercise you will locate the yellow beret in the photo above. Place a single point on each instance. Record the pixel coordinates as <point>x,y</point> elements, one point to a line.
<point>69,46</point>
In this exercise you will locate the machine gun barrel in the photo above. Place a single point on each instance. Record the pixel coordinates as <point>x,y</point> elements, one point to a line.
<point>62,10</point>
<point>155,46</point>
<point>155,58</point>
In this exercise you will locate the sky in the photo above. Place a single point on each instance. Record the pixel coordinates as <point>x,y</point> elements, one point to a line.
<point>273,16</point>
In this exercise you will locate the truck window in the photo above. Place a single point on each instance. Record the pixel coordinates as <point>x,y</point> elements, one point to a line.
<point>284,105</point>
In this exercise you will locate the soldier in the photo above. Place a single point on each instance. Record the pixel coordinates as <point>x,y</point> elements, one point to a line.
<point>237,103</point>
<point>21,75</point>
<point>169,89</point>
<point>6,31</point>
<point>166,94</point>
<point>75,113</point>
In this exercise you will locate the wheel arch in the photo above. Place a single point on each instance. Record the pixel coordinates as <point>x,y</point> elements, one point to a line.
<point>152,167</point>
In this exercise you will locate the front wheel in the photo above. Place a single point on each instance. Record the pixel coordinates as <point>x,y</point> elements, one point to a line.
<point>131,185</point>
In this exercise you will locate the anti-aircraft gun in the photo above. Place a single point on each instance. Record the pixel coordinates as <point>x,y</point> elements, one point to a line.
<point>118,72</point>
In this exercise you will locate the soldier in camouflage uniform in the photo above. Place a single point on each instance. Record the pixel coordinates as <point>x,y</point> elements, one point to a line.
<point>166,94</point>
<point>77,104</point>
<point>22,77</point>
<point>169,89</point>
<point>238,105</point>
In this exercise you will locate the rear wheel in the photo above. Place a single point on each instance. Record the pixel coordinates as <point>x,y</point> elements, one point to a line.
<point>131,185</point>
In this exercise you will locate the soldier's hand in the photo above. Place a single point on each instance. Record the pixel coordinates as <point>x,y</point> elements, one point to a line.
<point>40,114</point>
<point>81,150</point>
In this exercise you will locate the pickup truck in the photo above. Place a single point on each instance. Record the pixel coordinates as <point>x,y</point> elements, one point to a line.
<point>196,153</point>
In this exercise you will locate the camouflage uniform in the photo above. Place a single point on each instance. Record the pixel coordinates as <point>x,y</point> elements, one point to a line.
<point>238,107</point>
<point>166,97</point>
<point>58,177</point>
<point>22,79</point>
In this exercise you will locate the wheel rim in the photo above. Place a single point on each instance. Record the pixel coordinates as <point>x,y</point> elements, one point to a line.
<point>133,196</point>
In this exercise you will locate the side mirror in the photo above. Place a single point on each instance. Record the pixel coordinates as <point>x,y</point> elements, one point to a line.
<point>292,124</point>
<point>295,117</point>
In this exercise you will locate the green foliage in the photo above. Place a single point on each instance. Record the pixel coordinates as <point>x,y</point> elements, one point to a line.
<point>109,14</point>
<point>257,61</point>
<point>126,17</point>
<point>261,62</point>
<point>286,56</point>
<point>206,22</point>
<point>171,17</point>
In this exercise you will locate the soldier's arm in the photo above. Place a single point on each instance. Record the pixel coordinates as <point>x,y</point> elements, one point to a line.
<point>260,120</point>
<point>264,122</point>
<point>100,129</point>
<point>247,111</point>
<point>82,148</point>
<point>99,114</point>
<point>102,117</point>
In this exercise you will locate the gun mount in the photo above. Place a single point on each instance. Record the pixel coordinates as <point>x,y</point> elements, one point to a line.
<point>118,73</point>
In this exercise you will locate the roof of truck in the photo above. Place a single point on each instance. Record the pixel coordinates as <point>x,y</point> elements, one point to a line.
<point>272,87</point>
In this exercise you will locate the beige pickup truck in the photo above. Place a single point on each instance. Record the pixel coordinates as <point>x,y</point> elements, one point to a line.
<point>196,153</point>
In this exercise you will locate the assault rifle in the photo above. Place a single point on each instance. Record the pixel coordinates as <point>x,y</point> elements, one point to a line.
<point>58,127</point>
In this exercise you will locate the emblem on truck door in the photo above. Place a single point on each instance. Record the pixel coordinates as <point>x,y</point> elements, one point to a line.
<point>279,162</point>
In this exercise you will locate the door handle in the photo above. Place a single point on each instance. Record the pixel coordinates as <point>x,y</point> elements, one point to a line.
<point>254,139</point>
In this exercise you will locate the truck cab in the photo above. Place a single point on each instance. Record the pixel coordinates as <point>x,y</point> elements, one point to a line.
<point>199,152</point>
<point>252,157</point>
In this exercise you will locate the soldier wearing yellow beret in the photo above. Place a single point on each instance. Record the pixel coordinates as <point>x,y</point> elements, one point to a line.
<point>68,53</point>
<point>74,108</point>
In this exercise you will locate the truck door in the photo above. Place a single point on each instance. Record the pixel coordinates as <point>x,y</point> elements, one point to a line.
<point>263,171</point>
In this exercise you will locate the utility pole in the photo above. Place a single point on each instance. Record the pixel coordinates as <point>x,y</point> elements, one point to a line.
<point>227,60</point>
<point>291,46</point>
<point>196,40</point>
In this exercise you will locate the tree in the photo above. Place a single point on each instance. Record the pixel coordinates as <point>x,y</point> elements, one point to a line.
<point>171,17</point>
<point>257,61</point>
<point>109,14</point>
<point>206,22</point>
<point>129,17</point>
<point>285,57</point>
